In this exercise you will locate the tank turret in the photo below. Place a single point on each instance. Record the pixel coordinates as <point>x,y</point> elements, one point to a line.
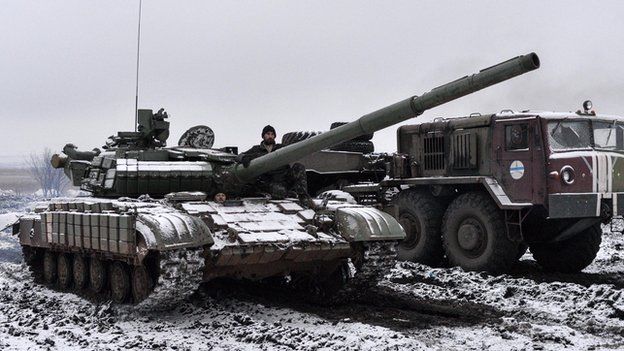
<point>136,164</point>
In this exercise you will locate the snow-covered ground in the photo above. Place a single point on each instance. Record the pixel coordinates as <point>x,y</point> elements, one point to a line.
<point>414,308</point>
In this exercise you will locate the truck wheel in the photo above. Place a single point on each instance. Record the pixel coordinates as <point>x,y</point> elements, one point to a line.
<point>474,235</point>
<point>365,147</point>
<point>569,256</point>
<point>420,214</point>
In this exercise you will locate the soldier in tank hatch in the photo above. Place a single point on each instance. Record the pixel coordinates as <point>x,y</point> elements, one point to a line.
<point>281,181</point>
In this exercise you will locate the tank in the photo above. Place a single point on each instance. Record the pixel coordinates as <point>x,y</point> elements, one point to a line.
<point>163,219</point>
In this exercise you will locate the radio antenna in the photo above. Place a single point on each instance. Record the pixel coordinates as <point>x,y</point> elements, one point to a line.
<point>136,96</point>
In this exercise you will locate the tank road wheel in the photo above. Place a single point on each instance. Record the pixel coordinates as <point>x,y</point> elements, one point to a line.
<point>336,280</point>
<point>322,286</point>
<point>64,268</point>
<point>569,256</point>
<point>420,214</point>
<point>141,283</point>
<point>474,235</point>
<point>33,257</point>
<point>81,272</point>
<point>119,282</point>
<point>97,274</point>
<point>49,267</point>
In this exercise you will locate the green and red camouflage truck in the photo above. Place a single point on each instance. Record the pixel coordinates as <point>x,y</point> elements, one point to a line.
<point>480,190</point>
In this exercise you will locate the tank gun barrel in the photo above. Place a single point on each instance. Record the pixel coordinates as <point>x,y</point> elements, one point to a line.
<point>390,115</point>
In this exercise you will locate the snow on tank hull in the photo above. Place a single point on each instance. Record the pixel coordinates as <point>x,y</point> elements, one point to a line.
<point>160,247</point>
<point>146,248</point>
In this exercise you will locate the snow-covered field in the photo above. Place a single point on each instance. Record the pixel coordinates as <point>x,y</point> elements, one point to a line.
<point>414,308</point>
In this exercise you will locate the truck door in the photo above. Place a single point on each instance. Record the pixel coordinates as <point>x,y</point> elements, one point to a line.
<point>516,148</point>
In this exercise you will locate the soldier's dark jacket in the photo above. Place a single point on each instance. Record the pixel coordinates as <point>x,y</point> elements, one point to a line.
<point>276,175</point>
<point>292,178</point>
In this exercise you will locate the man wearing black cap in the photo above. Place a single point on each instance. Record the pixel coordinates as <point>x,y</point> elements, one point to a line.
<point>278,182</point>
<point>266,145</point>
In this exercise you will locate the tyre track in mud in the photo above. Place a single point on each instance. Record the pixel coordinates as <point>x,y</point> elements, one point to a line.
<point>531,270</point>
<point>584,302</point>
<point>378,305</point>
<point>416,302</point>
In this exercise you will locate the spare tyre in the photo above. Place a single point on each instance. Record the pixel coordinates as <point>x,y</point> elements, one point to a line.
<point>365,137</point>
<point>365,147</point>
<point>293,137</point>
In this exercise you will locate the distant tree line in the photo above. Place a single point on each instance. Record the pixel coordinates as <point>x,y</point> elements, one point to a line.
<point>53,181</point>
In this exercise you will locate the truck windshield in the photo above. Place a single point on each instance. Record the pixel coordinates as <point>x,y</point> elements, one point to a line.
<point>600,134</point>
<point>564,135</point>
<point>608,135</point>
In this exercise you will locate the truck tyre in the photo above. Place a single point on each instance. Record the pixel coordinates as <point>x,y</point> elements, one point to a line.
<point>365,137</point>
<point>474,235</point>
<point>420,214</point>
<point>569,256</point>
<point>365,147</point>
<point>294,137</point>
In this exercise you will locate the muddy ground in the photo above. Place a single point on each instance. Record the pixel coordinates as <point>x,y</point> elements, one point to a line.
<point>414,307</point>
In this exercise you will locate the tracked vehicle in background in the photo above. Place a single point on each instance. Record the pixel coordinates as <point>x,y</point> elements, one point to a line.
<point>347,163</point>
<point>124,242</point>
<point>482,189</point>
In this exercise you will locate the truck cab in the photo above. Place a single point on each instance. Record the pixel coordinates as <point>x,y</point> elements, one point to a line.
<point>481,189</point>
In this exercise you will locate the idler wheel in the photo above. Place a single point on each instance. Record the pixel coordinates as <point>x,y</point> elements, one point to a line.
<point>141,283</point>
<point>97,275</point>
<point>49,267</point>
<point>120,282</point>
<point>64,268</point>
<point>81,272</point>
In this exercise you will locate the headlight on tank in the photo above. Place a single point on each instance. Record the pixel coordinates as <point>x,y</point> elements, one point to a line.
<point>567,175</point>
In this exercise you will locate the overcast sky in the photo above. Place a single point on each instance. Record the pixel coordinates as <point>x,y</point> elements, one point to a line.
<point>68,67</point>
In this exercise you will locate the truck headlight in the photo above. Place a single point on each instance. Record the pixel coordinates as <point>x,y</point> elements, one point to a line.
<point>567,175</point>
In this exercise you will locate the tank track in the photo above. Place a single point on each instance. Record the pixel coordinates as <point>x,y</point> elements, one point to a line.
<point>34,263</point>
<point>378,258</point>
<point>180,274</point>
<point>371,262</point>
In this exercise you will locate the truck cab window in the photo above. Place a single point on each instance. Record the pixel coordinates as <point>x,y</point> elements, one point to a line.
<point>517,137</point>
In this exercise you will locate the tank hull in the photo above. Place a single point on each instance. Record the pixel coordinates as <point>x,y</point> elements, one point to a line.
<point>252,238</point>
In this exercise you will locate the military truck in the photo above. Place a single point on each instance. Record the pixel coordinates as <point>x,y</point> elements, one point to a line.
<point>163,219</point>
<point>480,189</point>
